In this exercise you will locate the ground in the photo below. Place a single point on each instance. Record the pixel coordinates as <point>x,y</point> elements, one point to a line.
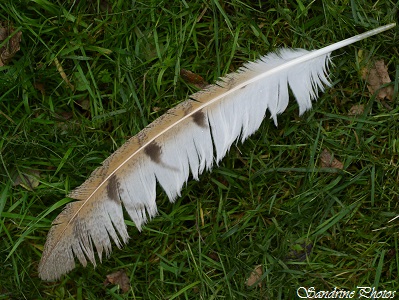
<point>90,74</point>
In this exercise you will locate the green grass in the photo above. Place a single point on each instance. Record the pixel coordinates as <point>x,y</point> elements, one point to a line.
<point>265,202</point>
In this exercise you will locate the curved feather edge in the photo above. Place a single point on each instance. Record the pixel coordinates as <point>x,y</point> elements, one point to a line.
<point>189,138</point>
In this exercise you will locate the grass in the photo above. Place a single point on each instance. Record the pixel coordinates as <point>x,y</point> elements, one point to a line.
<point>268,202</point>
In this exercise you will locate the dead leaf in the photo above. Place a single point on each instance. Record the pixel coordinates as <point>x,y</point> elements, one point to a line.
<point>214,256</point>
<point>119,278</point>
<point>193,78</point>
<point>356,110</point>
<point>376,76</point>
<point>66,115</point>
<point>328,161</point>
<point>105,6</point>
<point>40,87</point>
<point>84,103</point>
<point>28,180</point>
<point>8,51</point>
<point>62,73</point>
<point>255,276</point>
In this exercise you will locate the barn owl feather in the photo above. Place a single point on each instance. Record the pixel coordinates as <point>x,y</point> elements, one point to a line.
<point>189,138</point>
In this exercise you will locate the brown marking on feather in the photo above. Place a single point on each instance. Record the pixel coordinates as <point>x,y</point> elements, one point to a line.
<point>243,87</point>
<point>154,151</point>
<point>199,119</point>
<point>187,107</point>
<point>112,188</point>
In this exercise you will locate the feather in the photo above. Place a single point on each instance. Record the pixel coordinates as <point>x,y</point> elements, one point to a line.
<point>190,137</point>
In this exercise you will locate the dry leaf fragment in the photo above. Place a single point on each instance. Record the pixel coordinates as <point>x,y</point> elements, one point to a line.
<point>356,110</point>
<point>376,76</point>
<point>214,256</point>
<point>8,51</point>
<point>105,6</point>
<point>84,103</point>
<point>40,87</point>
<point>120,278</point>
<point>193,78</point>
<point>66,115</point>
<point>328,161</point>
<point>28,180</point>
<point>255,276</point>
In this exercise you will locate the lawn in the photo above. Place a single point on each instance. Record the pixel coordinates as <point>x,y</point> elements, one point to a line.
<point>91,74</point>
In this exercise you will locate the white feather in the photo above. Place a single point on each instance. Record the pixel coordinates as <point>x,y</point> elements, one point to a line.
<point>187,139</point>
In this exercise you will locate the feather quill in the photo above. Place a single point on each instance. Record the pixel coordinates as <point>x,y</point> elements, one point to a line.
<point>190,137</point>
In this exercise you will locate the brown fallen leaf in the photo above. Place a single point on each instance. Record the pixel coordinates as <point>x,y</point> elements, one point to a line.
<point>376,76</point>
<point>119,278</point>
<point>8,51</point>
<point>255,276</point>
<point>66,115</point>
<point>40,87</point>
<point>193,78</point>
<point>328,161</point>
<point>28,180</point>
<point>356,110</point>
<point>105,6</point>
<point>84,103</point>
<point>214,256</point>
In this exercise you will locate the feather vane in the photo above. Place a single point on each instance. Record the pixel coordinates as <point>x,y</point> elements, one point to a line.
<point>189,138</point>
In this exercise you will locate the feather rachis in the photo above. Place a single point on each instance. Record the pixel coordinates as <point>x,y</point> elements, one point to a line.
<point>206,125</point>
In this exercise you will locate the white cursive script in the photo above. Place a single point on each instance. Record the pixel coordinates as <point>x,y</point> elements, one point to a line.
<point>361,292</point>
<point>312,293</point>
<point>371,293</point>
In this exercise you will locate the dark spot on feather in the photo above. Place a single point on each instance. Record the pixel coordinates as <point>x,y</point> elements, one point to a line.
<point>199,119</point>
<point>243,87</point>
<point>153,150</point>
<point>112,189</point>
